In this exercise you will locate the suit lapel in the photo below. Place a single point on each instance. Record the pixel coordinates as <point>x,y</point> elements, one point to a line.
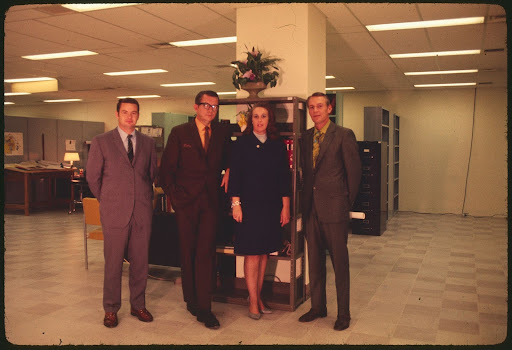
<point>324,146</point>
<point>308,147</point>
<point>119,144</point>
<point>196,139</point>
<point>139,146</point>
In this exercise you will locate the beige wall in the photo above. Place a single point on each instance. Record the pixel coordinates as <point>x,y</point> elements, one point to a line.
<point>435,142</point>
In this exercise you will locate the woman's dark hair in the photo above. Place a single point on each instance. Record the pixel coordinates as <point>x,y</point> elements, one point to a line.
<point>272,132</point>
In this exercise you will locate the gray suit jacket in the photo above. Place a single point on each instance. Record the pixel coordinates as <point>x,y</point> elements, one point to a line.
<point>333,185</point>
<point>122,188</point>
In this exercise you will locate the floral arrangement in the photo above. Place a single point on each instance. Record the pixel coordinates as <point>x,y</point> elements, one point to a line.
<point>255,69</point>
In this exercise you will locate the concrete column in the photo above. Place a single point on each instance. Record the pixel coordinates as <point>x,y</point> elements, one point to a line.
<point>294,32</point>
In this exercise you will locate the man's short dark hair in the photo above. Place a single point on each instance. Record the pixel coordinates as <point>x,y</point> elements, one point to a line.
<point>127,100</point>
<point>200,95</point>
<point>319,94</point>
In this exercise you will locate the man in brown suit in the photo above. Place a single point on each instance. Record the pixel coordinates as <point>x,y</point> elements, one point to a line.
<point>190,174</point>
<point>120,172</point>
<point>332,172</point>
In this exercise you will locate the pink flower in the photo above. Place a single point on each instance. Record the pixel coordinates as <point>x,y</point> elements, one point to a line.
<point>249,75</point>
<point>255,53</point>
<point>244,63</point>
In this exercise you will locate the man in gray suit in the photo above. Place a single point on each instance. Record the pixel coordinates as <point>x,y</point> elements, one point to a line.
<point>120,172</point>
<point>332,171</point>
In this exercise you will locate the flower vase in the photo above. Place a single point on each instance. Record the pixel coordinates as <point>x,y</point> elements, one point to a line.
<point>253,88</point>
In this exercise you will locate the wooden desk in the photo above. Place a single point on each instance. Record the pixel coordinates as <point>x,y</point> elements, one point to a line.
<point>27,177</point>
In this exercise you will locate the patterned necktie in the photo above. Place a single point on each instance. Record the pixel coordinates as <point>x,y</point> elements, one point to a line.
<point>130,148</point>
<point>316,145</point>
<point>206,137</point>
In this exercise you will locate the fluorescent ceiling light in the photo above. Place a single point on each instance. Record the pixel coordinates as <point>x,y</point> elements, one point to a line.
<point>64,100</point>
<point>212,41</point>
<point>426,24</point>
<point>340,88</point>
<point>460,71</point>
<point>330,77</point>
<point>16,93</point>
<point>8,103</point>
<point>227,93</point>
<point>50,56</point>
<point>140,96</point>
<point>441,85</point>
<point>132,72</point>
<point>188,84</point>
<point>433,54</point>
<point>26,80</point>
<point>93,7</point>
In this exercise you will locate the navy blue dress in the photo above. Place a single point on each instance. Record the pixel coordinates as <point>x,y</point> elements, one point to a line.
<point>260,176</point>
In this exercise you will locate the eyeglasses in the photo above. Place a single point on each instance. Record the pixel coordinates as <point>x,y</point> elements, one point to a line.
<point>208,106</point>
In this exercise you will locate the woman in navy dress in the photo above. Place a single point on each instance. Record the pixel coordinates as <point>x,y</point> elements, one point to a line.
<point>259,187</point>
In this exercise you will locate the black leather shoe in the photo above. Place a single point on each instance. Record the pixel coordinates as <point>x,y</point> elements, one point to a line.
<point>209,320</point>
<point>340,325</point>
<point>192,309</point>
<point>312,315</point>
<point>110,319</point>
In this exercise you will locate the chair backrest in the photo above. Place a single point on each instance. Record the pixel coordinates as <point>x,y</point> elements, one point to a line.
<point>91,211</point>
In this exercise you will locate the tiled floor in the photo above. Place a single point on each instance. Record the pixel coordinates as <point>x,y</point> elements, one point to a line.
<point>429,279</point>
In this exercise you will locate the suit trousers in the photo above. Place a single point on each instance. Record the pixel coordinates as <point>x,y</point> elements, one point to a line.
<point>131,241</point>
<point>332,237</point>
<point>197,227</point>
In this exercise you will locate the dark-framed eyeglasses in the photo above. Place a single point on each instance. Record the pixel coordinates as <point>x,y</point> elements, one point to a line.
<point>208,106</point>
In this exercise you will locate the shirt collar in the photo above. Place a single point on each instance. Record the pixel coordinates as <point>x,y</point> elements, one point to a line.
<point>325,127</point>
<point>201,126</point>
<point>124,135</point>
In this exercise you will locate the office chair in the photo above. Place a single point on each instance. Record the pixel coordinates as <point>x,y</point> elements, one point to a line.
<point>91,208</point>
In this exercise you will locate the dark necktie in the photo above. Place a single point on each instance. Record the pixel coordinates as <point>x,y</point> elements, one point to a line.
<point>130,148</point>
<point>206,138</point>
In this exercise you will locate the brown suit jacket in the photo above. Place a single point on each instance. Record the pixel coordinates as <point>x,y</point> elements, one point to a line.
<point>122,188</point>
<point>186,170</point>
<point>333,185</point>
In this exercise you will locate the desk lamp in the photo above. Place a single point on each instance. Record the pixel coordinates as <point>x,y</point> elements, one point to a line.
<point>70,157</point>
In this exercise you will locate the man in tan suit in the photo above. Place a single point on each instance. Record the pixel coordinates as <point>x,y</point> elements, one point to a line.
<point>120,172</point>
<point>332,172</point>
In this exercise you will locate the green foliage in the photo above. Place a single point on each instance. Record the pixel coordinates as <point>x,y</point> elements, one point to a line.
<point>255,69</point>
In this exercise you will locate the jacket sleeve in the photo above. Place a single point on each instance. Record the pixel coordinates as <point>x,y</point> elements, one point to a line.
<point>235,172</point>
<point>94,168</point>
<point>284,171</point>
<point>352,163</point>
<point>153,171</point>
<point>169,163</point>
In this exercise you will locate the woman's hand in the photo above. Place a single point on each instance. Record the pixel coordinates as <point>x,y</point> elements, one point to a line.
<point>285,215</point>
<point>237,213</point>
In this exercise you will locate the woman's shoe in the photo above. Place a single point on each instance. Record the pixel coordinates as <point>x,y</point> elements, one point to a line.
<point>254,316</point>
<point>265,310</point>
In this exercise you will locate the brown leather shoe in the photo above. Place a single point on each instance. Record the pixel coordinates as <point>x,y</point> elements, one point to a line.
<point>142,314</point>
<point>110,319</point>
<point>312,315</point>
<point>340,324</point>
